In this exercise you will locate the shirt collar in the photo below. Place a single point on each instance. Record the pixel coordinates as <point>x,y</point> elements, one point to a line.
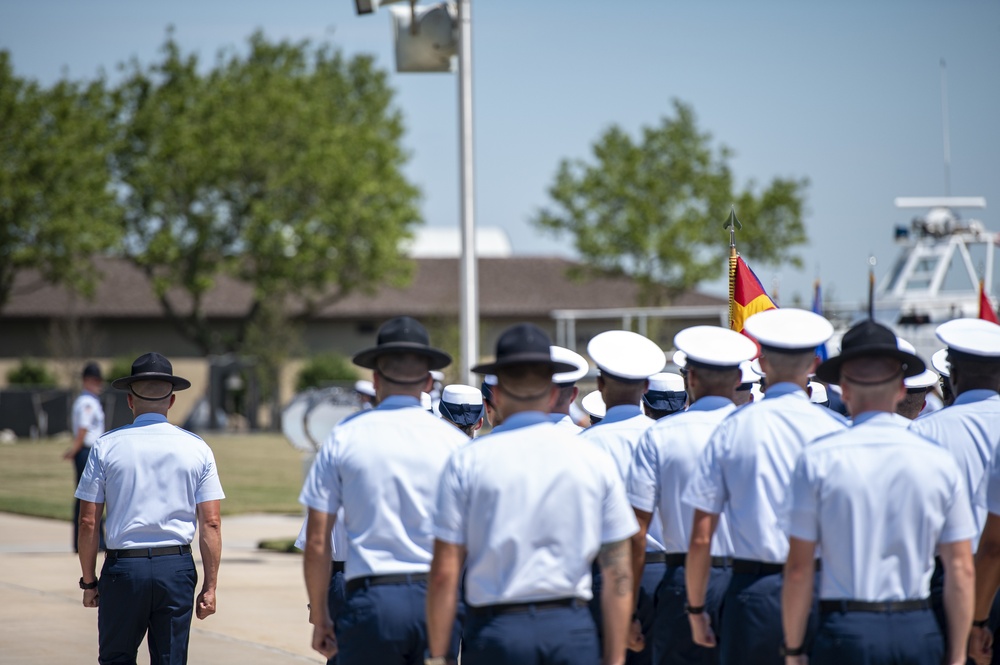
<point>522,419</point>
<point>710,403</point>
<point>149,419</point>
<point>559,417</point>
<point>978,395</point>
<point>783,388</point>
<point>397,402</point>
<point>619,413</point>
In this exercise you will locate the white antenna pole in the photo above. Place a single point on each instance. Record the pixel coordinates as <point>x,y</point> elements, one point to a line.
<point>944,124</point>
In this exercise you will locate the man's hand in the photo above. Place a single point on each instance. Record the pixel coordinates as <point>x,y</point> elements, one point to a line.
<point>981,645</point>
<point>90,597</point>
<point>324,640</point>
<point>69,454</point>
<point>206,603</point>
<point>701,630</point>
<point>636,642</point>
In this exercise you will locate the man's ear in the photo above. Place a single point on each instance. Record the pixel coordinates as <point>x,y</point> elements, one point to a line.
<point>478,425</point>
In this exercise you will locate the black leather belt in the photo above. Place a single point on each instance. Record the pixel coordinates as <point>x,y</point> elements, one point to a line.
<point>679,558</point>
<point>149,552</point>
<point>748,567</point>
<point>376,580</point>
<point>337,567</point>
<point>523,608</point>
<point>882,607</point>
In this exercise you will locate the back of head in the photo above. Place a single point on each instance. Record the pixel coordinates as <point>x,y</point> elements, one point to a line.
<point>402,374</point>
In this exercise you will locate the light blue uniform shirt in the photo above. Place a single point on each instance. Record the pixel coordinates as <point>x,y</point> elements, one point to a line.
<point>665,460</point>
<point>970,430</point>
<point>618,434</point>
<point>151,476</point>
<point>88,414</point>
<point>563,420</point>
<point>747,468</point>
<point>338,538</point>
<point>532,507</point>
<point>878,499</point>
<point>382,466</point>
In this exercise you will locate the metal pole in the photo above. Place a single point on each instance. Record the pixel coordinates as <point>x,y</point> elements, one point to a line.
<point>469,306</point>
<point>944,126</point>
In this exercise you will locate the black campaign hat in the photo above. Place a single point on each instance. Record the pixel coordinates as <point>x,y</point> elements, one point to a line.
<point>92,370</point>
<point>152,367</point>
<point>869,340</point>
<point>403,334</point>
<point>523,344</point>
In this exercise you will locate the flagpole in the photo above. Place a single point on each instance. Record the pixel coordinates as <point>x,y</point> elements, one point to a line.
<point>871,288</point>
<point>733,225</point>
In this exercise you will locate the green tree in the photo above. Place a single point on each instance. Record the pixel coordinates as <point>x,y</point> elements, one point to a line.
<point>653,208</point>
<point>280,168</point>
<point>57,208</point>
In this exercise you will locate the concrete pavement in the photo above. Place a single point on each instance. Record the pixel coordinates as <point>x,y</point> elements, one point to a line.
<point>261,617</point>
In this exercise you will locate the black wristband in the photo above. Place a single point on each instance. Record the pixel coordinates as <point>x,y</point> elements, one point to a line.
<point>797,651</point>
<point>86,586</point>
<point>694,609</point>
<point>980,624</point>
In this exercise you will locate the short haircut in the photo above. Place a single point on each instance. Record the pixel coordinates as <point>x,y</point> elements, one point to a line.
<point>403,368</point>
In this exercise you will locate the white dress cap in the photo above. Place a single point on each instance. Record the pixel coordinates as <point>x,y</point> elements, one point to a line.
<point>426,403</point>
<point>715,346</point>
<point>437,375</point>
<point>974,337</point>
<point>667,382</point>
<point>757,393</point>
<point>680,359</point>
<point>490,379</point>
<point>756,368</point>
<point>818,394</point>
<point>750,375</point>
<point>564,355</point>
<point>458,393</point>
<point>940,362</point>
<point>365,387</point>
<point>593,404</point>
<point>626,355</point>
<point>925,379</point>
<point>789,329</point>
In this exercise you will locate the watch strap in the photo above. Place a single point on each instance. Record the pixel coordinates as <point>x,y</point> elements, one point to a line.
<point>86,586</point>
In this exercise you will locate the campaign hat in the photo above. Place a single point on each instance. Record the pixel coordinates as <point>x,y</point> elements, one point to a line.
<point>869,339</point>
<point>151,367</point>
<point>523,344</point>
<point>92,371</point>
<point>403,334</point>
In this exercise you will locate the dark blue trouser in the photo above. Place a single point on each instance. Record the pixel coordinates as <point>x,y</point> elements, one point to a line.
<point>146,595</point>
<point>870,638</point>
<point>336,597</point>
<point>386,624</point>
<point>80,463</point>
<point>549,636</point>
<point>750,627</point>
<point>672,643</point>
<point>652,575</point>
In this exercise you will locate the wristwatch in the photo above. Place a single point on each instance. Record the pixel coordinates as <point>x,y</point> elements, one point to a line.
<point>797,651</point>
<point>86,586</point>
<point>694,609</point>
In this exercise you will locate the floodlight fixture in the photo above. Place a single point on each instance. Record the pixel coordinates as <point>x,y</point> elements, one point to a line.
<point>425,37</point>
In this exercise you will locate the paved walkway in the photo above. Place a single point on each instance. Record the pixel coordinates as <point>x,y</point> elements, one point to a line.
<point>261,616</point>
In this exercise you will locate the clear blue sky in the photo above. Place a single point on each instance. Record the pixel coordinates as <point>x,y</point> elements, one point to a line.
<point>844,93</point>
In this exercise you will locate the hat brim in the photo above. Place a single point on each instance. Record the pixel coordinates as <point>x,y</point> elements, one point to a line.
<point>529,358</point>
<point>829,371</point>
<point>177,382</point>
<point>369,357</point>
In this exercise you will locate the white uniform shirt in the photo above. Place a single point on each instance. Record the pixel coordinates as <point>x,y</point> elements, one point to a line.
<point>532,508</point>
<point>338,538</point>
<point>747,468</point>
<point>970,430</point>
<point>88,414</point>
<point>563,420</point>
<point>665,460</point>
<point>382,466</point>
<point>618,434</point>
<point>151,475</point>
<point>878,499</point>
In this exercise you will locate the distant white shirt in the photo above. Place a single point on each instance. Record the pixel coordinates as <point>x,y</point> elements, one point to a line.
<point>665,461</point>
<point>532,508</point>
<point>747,466</point>
<point>878,499</point>
<point>618,434</point>
<point>563,420</point>
<point>88,414</point>
<point>151,475</point>
<point>382,466</point>
<point>970,430</point>
<point>338,538</point>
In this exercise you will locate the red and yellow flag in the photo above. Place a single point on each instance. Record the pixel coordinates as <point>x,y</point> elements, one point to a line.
<point>986,311</point>
<point>748,296</point>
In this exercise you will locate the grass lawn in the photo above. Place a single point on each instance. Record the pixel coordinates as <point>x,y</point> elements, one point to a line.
<point>260,473</point>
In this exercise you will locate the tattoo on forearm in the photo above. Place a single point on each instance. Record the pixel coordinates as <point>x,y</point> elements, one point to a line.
<point>616,566</point>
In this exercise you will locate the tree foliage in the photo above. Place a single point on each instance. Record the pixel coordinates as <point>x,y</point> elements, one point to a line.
<point>653,208</point>
<point>57,207</point>
<point>280,167</point>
